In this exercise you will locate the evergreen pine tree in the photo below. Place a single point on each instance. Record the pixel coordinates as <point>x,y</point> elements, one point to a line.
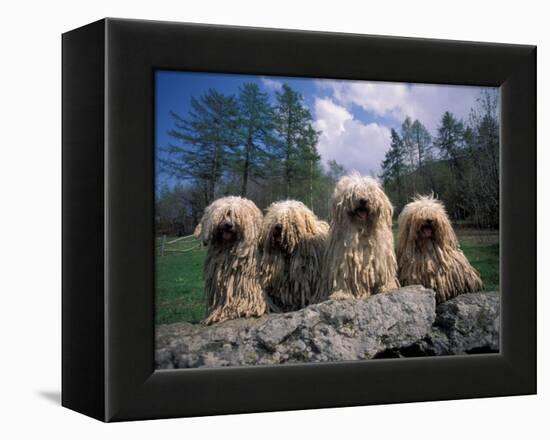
<point>255,133</point>
<point>394,166</point>
<point>202,140</point>
<point>296,139</point>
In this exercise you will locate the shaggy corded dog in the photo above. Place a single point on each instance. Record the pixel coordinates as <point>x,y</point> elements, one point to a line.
<point>230,227</point>
<point>428,252</point>
<point>360,257</point>
<point>292,243</point>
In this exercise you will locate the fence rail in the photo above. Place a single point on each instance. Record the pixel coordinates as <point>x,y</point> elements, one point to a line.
<point>190,240</point>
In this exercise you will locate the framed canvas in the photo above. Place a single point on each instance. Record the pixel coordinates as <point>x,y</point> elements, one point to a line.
<point>148,329</point>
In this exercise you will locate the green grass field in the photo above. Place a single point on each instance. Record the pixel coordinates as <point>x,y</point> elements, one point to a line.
<point>482,249</point>
<point>180,284</point>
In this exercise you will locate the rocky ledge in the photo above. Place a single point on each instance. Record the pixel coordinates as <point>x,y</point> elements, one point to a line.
<point>403,323</point>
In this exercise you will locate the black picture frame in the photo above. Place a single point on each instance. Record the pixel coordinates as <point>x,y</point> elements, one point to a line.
<point>108,190</point>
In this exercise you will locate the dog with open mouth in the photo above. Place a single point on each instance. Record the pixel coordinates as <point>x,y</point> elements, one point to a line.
<point>360,257</point>
<point>428,251</point>
<point>292,243</point>
<point>230,227</point>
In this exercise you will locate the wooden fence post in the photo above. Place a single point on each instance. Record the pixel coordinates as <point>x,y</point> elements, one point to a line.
<point>162,245</point>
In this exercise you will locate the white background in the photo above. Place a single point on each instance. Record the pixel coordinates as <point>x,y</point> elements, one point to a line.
<point>30,189</point>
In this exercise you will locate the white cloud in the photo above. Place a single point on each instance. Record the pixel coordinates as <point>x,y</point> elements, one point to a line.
<point>426,102</point>
<point>350,142</point>
<point>272,84</point>
<point>379,98</point>
<point>331,117</point>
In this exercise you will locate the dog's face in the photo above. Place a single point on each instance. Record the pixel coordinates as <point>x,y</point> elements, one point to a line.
<point>286,224</point>
<point>360,201</point>
<point>228,230</point>
<point>229,221</point>
<point>361,211</point>
<point>425,221</point>
<point>278,236</point>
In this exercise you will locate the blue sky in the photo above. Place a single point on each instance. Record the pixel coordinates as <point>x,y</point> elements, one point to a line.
<point>355,117</point>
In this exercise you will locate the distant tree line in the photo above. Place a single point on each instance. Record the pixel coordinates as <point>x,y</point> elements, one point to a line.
<point>266,150</point>
<point>460,165</point>
<point>242,145</point>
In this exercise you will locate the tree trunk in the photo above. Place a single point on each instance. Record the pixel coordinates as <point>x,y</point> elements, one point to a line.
<point>287,158</point>
<point>213,177</point>
<point>246,167</point>
<point>287,175</point>
<point>311,185</point>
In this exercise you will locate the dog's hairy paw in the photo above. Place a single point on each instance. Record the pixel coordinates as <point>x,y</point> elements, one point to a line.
<point>340,295</point>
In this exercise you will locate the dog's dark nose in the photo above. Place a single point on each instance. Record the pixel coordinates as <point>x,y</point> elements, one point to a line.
<point>278,227</point>
<point>429,221</point>
<point>228,226</point>
<point>363,202</point>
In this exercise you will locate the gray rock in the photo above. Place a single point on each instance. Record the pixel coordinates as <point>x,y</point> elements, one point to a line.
<point>402,323</point>
<point>330,331</point>
<point>466,324</point>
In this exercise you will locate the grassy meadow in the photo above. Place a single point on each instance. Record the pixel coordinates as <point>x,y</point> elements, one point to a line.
<point>180,284</point>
